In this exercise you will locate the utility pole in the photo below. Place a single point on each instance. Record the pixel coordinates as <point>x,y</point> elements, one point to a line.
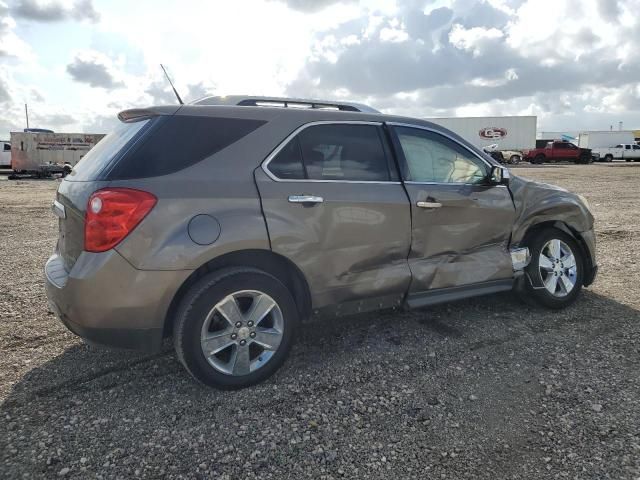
<point>26,114</point>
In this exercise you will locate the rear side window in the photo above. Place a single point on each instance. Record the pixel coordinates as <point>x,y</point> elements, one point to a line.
<point>349,152</point>
<point>287,164</point>
<point>90,166</point>
<point>178,142</point>
<point>344,152</point>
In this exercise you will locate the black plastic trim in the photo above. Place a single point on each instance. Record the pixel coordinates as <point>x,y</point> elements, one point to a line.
<point>443,295</point>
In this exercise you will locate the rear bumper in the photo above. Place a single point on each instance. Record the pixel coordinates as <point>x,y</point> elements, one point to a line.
<point>106,300</point>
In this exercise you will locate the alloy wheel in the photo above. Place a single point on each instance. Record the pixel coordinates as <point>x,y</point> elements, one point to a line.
<point>242,332</point>
<point>557,265</point>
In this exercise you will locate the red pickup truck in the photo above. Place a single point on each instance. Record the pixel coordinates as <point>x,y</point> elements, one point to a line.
<point>559,151</point>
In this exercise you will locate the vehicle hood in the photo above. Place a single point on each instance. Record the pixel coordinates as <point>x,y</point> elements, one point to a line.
<point>537,202</point>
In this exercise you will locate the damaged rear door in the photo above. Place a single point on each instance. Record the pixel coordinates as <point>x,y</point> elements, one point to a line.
<point>461,224</point>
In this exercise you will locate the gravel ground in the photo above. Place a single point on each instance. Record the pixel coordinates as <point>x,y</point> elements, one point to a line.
<point>486,388</point>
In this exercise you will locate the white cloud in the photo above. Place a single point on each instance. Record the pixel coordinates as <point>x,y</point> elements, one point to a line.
<point>475,40</point>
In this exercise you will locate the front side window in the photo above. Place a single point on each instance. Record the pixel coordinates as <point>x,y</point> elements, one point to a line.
<point>628,147</point>
<point>351,152</point>
<point>431,157</point>
<point>636,147</point>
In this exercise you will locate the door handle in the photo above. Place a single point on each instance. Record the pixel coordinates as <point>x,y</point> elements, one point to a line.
<point>429,204</point>
<point>305,199</point>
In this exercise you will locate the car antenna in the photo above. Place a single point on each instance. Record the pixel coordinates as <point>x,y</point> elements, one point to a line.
<point>171,83</point>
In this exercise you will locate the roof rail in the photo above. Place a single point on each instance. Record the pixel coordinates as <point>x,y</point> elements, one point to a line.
<point>251,101</point>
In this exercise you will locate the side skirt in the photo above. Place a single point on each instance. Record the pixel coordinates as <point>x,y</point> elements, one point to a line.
<point>443,295</point>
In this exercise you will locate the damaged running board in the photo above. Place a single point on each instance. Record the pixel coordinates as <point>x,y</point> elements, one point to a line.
<point>443,295</point>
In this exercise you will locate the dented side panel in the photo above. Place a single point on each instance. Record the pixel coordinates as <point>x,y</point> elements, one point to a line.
<point>350,247</point>
<point>465,240</point>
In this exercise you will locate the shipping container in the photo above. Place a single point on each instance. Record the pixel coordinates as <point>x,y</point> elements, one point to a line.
<point>605,138</point>
<point>509,133</point>
<point>35,152</point>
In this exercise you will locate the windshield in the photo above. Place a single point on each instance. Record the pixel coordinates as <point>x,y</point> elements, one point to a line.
<point>90,166</point>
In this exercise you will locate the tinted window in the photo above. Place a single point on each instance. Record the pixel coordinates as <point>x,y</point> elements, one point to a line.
<point>628,147</point>
<point>560,146</point>
<point>178,142</point>
<point>636,147</point>
<point>99,156</point>
<point>288,163</point>
<point>431,157</point>
<point>344,152</point>
<point>7,147</point>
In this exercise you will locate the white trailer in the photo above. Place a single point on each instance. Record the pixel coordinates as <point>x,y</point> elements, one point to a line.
<point>509,133</point>
<point>46,153</point>
<point>5,154</point>
<point>605,138</point>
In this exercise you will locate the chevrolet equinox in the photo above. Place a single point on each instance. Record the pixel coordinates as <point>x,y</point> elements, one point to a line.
<point>226,222</point>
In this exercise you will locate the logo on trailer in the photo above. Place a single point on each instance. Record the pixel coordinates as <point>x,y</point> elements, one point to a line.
<point>493,132</point>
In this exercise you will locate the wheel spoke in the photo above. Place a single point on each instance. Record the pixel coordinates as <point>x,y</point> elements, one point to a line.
<point>260,308</point>
<point>240,361</point>
<point>566,283</point>
<point>216,342</point>
<point>551,283</point>
<point>268,338</point>
<point>569,261</point>
<point>229,309</point>
<point>554,248</point>
<point>545,262</point>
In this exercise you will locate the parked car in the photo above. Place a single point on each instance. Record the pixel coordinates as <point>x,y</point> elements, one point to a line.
<point>503,156</point>
<point>557,151</point>
<point>623,151</point>
<point>225,226</point>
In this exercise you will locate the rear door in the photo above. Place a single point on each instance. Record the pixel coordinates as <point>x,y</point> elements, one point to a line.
<point>335,206</point>
<point>635,152</point>
<point>461,224</point>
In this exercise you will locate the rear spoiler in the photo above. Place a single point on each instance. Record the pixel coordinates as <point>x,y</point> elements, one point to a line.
<point>136,114</point>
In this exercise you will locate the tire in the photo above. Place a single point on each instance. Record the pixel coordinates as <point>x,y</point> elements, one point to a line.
<point>637,160</point>
<point>199,315</point>
<point>562,297</point>
<point>515,159</point>
<point>539,159</point>
<point>608,158</point>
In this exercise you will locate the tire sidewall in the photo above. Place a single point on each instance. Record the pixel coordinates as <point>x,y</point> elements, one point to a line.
<point>205,294</point>
<point>541,295</point>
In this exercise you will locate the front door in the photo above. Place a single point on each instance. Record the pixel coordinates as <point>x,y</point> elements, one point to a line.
<point>335,206</point>
<point>461,224</point>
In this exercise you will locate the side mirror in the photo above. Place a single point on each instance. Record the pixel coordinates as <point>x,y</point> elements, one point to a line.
<point>499,175</point>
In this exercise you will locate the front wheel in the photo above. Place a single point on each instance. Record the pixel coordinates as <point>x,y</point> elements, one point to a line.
<point>556,270</point>
<point>608,158</point>
<point>235,328</point>
<point>539,159</point>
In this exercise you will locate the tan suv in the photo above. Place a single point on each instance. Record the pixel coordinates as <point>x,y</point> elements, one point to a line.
<point>226,225</point>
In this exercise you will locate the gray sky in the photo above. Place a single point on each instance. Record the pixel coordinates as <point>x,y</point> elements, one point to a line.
<point>575,64</point>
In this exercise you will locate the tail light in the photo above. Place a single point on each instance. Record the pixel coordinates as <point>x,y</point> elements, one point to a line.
<point>113,213</point>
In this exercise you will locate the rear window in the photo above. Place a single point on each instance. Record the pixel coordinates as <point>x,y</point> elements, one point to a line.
<point>90,166</point>
<point>178,142</point>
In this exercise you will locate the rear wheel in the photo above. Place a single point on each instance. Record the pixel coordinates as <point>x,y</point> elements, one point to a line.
<point>556,269</point>
<point>235,328</point>
<point>608,158</point>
